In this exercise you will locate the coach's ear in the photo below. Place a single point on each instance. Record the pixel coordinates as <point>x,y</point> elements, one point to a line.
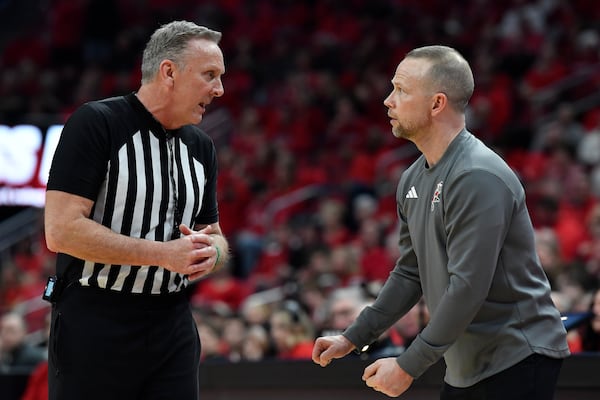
<point>439,102</point>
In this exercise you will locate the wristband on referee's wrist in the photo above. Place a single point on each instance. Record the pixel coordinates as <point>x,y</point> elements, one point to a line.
<point>218,255</point>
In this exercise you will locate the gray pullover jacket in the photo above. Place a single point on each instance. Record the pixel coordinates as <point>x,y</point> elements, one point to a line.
<point>467,245</point>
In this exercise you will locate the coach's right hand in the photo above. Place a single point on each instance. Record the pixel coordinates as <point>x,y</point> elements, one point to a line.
<point>327,348</point>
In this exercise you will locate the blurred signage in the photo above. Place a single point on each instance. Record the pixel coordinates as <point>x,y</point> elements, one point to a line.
<point>25,156</point>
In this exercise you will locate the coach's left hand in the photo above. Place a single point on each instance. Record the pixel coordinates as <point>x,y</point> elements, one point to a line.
<point>386,376</point>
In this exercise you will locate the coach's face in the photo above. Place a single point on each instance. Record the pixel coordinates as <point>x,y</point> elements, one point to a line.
<point>410,100</point>
<point>196,81</point>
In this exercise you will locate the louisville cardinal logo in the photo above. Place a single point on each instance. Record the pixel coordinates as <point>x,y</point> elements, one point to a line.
<point>436,195</point>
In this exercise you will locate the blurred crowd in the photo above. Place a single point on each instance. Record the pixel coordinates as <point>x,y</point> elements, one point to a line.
<point>308,165</point>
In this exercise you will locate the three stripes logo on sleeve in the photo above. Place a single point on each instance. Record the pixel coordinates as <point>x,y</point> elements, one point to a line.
<point>412,193</point>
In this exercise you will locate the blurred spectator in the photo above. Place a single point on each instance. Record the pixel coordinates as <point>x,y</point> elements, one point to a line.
<point>588,149</point>
<point>562,129</point>
<point>561,200</point>
<point>409,326</point>
<point>547,69</point>
<point>250,239</point>
<point>16,353</point>
<point>331,215</point>
<point>211,348</point>
<point>223,288</point>
<point>588,253</point>
<point>343,306</point>
<point>548,251</point>
<point>273,264</point>
<point>363,206</point>
<point>233,194</point>
<point>234,333</point>
<point>375,262</point>
<point>587,336</point>
<point>314,294</point>
<point>292,332</point>
<point>318,269</point>
<point>490,108</point>
<point>37,384</point>
<point>256,344</point>
<point>257,307</point>
<point>345,266</point>
<point>588,153</point>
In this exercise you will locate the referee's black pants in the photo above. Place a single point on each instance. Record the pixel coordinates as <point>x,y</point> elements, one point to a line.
<point>106,345</point>
<point>534,378</point>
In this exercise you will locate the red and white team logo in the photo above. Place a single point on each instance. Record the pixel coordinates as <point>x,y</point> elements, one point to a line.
<point>436,195</point>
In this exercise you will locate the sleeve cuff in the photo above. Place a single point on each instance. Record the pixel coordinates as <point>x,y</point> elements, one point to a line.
<point>360,346</point>
<point>419,356</point>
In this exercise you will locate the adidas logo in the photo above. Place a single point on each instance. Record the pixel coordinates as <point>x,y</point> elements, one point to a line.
<point>412,193</point>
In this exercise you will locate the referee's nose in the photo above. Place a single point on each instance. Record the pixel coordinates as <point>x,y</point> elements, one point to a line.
<point>218,89</point>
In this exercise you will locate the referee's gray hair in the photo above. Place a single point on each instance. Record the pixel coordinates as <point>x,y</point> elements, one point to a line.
<point>169,42</point>
<point>449,73</point>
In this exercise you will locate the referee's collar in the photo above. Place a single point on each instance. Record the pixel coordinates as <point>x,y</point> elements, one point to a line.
<point>155,127</point>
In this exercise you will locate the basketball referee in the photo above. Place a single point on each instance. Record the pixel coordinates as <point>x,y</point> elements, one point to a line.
<point>131,211</point>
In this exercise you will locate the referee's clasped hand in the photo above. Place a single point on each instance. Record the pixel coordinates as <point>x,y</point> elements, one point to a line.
<point>193,254</point>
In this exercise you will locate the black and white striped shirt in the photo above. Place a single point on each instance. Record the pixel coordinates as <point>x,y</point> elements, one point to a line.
<point>144,182</point>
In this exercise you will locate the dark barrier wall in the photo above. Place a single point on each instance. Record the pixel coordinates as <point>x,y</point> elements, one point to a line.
<point>301,380</point>
<point>579,380</point>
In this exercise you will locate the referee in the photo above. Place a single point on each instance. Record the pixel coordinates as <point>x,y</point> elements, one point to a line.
<point>131,211</point>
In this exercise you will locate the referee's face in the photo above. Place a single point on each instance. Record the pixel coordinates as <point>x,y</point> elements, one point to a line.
<point>197,81</point>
